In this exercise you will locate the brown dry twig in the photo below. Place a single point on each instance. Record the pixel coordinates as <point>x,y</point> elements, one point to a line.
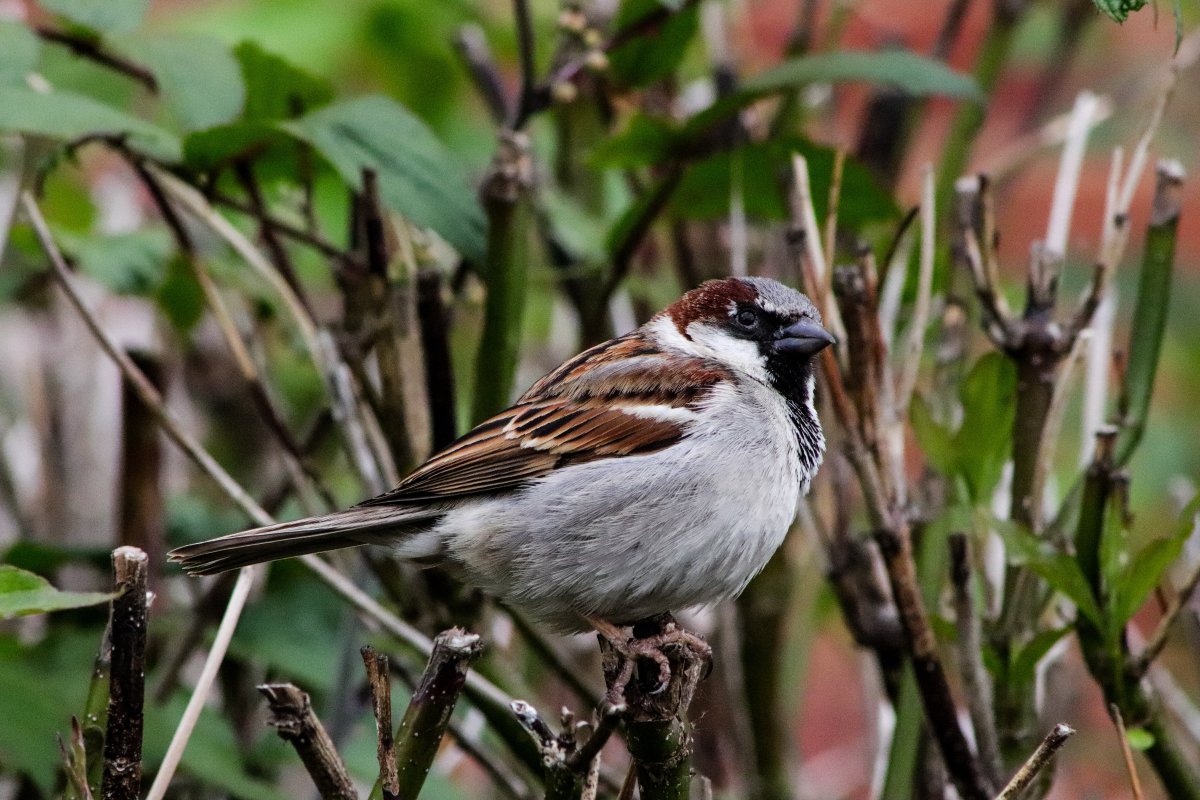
<point>293,719</point>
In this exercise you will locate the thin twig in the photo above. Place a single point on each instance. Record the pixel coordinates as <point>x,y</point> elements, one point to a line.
<point>977,683</point>
<point>910,356</point>
<point>93,49</point>
<point>1029,770</point>
<point>525,50</point>
<point>472,46</point>
<point>1052,427</point>
<point>835,199</point>
<point>322,246</point>
<point>123,738</point>
<point>381,704</point>
<point>293,719</point>
<point>804,218</point>
<point>1135,782</point>
<point>1070,166</point>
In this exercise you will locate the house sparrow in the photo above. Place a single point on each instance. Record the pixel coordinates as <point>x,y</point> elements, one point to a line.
<point>656,471</point>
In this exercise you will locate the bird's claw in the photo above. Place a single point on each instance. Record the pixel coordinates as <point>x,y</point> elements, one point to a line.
<point>651,648</point>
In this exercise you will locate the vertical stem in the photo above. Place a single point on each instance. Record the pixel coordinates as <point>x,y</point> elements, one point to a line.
<point>763,621</point>
<point>424,724</point>
<point>506,199</point>
<point>378,677</point>
<point>123,738</point>
<point>141,521</point>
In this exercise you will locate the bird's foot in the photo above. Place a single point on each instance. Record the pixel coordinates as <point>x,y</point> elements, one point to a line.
<point>649,640</point>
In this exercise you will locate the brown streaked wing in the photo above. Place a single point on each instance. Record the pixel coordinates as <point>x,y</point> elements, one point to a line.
<point>568,415</point>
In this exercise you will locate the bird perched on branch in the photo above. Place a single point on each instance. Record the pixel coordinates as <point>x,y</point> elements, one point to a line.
<point>656,471</point>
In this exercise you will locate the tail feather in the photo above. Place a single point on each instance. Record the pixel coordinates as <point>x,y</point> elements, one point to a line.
<point>350,528</point>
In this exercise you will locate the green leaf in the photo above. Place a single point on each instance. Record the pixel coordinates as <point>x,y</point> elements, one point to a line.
<point>127,263</point>
<point>704,192</point>
<point>199,80</point>
<point>1118,10</point>
<point>1059,570</point>
<point>208,149</point>
<point>67,116</point>
<point>645,59</point>
<point>1129,588</point>
<point>646,140</point>
<point>180,297</point>
<point>418,176</point>
<point>902,69</point>
<point>19,49</point>
<point>109,16</point>
<point>276,88</point>
<point>1139,738</point>
<point>983,440</point>
<point>1027,658</point>
<point>936,441</point>
<point>23,593</point>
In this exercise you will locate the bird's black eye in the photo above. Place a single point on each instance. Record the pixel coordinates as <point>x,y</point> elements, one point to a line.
<point>747,318</point>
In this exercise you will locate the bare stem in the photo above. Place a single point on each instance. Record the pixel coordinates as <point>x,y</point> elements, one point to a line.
<point>1041,756</point>
<point>381,704</point>
<point>1135,783</point>
<point>293,719</point>
<point>123,738</point>
<point>424,724</point>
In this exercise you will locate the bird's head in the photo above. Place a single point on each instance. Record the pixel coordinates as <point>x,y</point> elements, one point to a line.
<point>757,326</point>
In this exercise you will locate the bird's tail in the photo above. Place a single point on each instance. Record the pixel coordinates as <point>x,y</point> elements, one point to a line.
<point>350,528</point>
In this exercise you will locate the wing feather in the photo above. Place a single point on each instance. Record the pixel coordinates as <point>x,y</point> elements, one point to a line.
<point>586,409</point>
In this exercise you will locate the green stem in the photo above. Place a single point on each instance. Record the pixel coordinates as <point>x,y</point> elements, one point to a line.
<point>763,614</point>
<point>420,732</point>
<point>508,203</point>
<point>1150,314</point>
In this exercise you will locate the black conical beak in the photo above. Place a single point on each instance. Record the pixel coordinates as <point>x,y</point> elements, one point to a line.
<point>803,337</point>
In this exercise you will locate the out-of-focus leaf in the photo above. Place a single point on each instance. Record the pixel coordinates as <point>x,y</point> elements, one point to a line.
<point>40,687</point>
<point>578,231</point>
<point>127,263</point>
<point>645,59</point>
<point>1026,659</point>
<point>936,441</point>
<point>23,593</point>
<point>705,189</point>
<point>276,88</point>
<point>199,80</point>
<point>67,116</point>
<point>1063,574</point>
<point>902,69</point>
<point>109,16</point>
<point>1139,738</point>
<point>305,650</point>
<point>1118,10</point>
<point>917,75</point>
<point>1129,588</point>
<point>1059,570</point>
<point>180,297</point>
<point>213,754</point>
<point>982,442</point>
<point>208,149</point>
<point>646,140</point>
<point>19,49</point>
<point>418,176</point>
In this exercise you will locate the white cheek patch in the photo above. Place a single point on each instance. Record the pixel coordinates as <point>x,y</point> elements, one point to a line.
<point>740,354</point>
